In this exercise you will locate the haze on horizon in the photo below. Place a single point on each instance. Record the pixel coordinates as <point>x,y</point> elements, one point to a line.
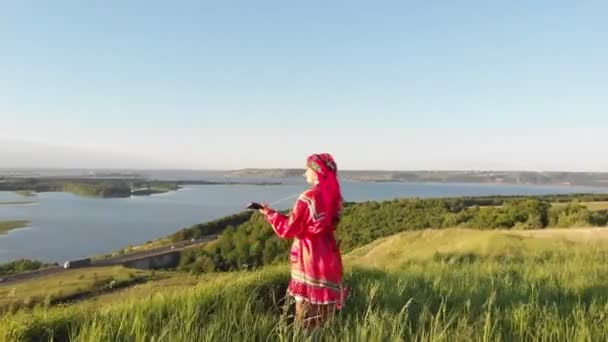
<point>453,86</point>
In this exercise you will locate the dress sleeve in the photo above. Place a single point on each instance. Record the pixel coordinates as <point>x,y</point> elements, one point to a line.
<point>290,226</point>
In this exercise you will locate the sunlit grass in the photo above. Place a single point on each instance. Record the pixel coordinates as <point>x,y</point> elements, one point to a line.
<point>52,288</point>
<point>449,285</point>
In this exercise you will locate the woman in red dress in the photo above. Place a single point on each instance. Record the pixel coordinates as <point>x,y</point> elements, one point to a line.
<point>316,263</point>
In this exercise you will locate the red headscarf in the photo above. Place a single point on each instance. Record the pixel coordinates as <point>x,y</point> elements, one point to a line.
<point>326,169</point>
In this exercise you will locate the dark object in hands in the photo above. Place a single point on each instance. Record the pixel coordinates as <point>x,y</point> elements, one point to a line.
<point>255,206</point>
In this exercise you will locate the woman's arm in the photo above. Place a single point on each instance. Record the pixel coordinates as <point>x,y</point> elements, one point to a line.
<point>285,226</point>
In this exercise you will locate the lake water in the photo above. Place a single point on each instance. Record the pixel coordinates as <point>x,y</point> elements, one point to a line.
<point>65,226</point>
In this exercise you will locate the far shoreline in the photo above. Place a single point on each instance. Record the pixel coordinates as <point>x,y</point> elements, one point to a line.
<point>18,203</point>
<point>7,226</point>
<point>565,185</point>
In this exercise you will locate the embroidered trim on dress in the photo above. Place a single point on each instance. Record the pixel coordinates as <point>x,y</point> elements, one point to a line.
<point>311,207</point>
<point>321,283</point>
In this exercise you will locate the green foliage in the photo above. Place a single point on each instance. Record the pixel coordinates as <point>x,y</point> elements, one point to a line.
<point>599,218</point>
<point>365,222</point>
<point>200,230</point>
<point>252,242</point>
<point>459,203</point>
<point>519,214</point>
<point>87,186</point>
<point>22,265</point>
<point>102,189</point>
<point>250,245</point>
<point>569,215</point>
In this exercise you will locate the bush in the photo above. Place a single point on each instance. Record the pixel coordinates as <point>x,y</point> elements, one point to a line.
<point>21,265</point>
<point>570,215</point>
<point>599,218</point>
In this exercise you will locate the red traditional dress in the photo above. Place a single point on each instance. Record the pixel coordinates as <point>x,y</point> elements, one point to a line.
<point>316,264</point>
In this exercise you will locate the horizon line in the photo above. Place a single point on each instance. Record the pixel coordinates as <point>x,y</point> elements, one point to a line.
<point>286,168</point>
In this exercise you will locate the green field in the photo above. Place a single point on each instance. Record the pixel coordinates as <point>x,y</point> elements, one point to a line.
<point>593,206</point>
<point>596,206</point>
<point>49,289</point>
<point>440,285</point>
<point>6,226</point>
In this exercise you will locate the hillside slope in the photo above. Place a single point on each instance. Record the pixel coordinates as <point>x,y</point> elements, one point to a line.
<point>453,284</point>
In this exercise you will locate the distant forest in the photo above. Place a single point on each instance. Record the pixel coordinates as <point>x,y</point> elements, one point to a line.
<point>104,187</point>
<point>87,187</point>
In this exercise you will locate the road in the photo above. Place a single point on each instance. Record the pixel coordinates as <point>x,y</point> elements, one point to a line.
<point>117,260</point>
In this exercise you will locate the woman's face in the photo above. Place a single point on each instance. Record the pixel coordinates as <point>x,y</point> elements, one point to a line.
<point>311,176</point>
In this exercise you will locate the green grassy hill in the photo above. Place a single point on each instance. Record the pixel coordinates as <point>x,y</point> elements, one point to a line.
<point>450,284</point>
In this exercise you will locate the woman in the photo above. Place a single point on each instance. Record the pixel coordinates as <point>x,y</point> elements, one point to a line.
<point>316,264</point>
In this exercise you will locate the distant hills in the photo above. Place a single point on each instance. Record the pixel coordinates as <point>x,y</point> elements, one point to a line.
<point>270,173</point>
<point>598,179</point>
<point>498,177</point>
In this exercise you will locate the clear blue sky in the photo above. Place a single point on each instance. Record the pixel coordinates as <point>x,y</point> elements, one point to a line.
<point>381,85</point>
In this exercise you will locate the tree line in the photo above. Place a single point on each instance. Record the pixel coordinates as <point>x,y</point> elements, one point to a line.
<point>247,240</point>
<point>88,187</point>
<point>22,265</point>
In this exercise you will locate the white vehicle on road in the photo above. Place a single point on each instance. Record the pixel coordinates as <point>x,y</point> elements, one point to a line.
<point>77,263</point>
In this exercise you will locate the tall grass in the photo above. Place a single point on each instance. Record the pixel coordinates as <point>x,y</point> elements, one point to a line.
<point>516,295</point>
